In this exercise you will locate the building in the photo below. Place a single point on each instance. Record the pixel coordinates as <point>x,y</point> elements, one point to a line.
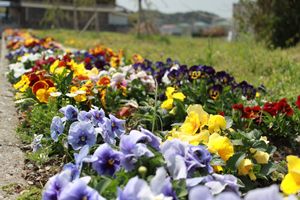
<point>94,14</point>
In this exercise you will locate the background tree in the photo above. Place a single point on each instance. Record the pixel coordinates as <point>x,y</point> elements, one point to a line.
<point>275,21</point>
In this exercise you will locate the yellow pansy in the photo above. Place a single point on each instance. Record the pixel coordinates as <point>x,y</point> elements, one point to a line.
<point>291,181</point>
<point>93,73</point>
<point>167,104</point>
<point>137,58</point>
<point>260,156</point>
<point>194,139</point>
<point>220,145</point>
<point>245,167</point>
<point>56,69</point>
<point>264,138</point>
<point>54,66</point>
<point>178,95</point>
<point>79,94</point>
<point>43,94</point>
<point>202,115</point>
<point>217,168</point>
<point>79,69</point>
<point>23,84</point>
<point>171,94</point>
<point>216,123</point>
<point>191,124</point>
<point>191,139</point>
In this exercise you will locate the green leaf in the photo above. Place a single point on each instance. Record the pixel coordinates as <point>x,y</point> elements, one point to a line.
<point>238,142</point>
<point>180,188</point>
<point>229,122</point>
<point>260,145</point>
<point>268,168</point>
<point>103,184</point>
<point>217,161</point>
<point>233,161</point>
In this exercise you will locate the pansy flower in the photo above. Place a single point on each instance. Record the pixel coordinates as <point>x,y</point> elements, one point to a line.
<point>215,91</point>
<point>70,112</point>
<point>107,161</point>
<point>56,128</point>
<point>80,134</point>
<point>291,182</point>
<point>171,95</point>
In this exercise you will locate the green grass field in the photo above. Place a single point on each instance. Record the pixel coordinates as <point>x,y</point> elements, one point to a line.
<point>278,70</point>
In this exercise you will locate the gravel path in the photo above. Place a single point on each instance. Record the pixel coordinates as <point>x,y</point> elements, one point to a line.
<point>11,156</point>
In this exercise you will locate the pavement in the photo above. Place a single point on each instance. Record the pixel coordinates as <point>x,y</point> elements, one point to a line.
<point>11,156</point>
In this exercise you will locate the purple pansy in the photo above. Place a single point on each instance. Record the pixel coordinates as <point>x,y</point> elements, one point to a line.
<point>105,131</point>
<point>36,143</point>
<point>79,190</point>
<point>205,194</point>
<point>97,115</point>
<point>107,161</point>
<point>70,112</point>
<point>268,193</point>
<point>174,152</point>
<point>133,147</point>
<point>84,116</point>
<point>161,184</point>
<point>55,185</point>
<point>184,159</point>
<point>111,128</point>
<point>117,125</point>
<point>197,157</point>
<point>217,183</point>
<point>57,128</point>
<point>80,134</point>
<point>152,139</point>
<point>138,189</point>
<point>82,156</point>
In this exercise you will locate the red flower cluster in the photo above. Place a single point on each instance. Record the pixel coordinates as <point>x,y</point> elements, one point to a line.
<point>248,112</point>
<point>273,108</point>
<point>298,102</point>
<point>282,106</point>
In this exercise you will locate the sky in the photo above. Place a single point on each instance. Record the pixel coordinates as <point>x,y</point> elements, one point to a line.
<point>222,8</point>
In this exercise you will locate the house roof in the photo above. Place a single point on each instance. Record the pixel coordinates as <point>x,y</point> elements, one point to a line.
<point>4,3</point>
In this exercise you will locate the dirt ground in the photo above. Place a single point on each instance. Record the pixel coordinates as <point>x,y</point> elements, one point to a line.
<point>11,156</point>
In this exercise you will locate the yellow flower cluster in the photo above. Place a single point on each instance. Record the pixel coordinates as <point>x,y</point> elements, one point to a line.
<point>171,95</point>
<point>23,84</point>
<point>291,181</point>
<point>200,127</point>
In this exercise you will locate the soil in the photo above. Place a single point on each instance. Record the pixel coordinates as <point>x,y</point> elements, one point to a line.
<point>11,156</point>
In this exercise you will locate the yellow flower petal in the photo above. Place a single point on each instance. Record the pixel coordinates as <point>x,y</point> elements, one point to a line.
<point>245,166</point>
<point>167,104</point>
<point>221,145</point>
<point>289,185</point>
<point>216,123</point>
<point>179,95</point>
<point>41,95</point>
<point>260,156</point>
<point>54,66</point>
<point>203,116</point>
<point>169,92</point>
<point>191,124</point>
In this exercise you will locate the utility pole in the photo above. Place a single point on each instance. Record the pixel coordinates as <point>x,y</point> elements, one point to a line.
<point>75,16</point>
<point>139,17</point>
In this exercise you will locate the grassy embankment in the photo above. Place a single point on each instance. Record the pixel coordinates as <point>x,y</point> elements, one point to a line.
<point>278,70</point>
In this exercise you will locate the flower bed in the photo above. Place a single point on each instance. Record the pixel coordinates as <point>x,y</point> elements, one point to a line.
<point>129,128</point>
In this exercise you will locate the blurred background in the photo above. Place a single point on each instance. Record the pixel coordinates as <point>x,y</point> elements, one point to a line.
<point>253,40</point>
<point>275,21</point>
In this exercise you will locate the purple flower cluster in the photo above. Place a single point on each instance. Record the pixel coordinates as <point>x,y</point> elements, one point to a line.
<point>135,145</point>
<point>172,72</point>
<point>86,125</point>
<point>184,159</point>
